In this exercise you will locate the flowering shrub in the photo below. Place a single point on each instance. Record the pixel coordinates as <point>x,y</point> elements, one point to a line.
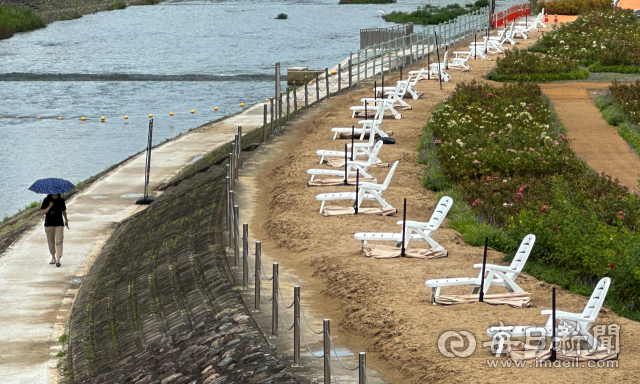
<point>529,66</point>
<point>610,37</point>
<point>628,97</point>
<point>571,7</point>
<point>511,163</point>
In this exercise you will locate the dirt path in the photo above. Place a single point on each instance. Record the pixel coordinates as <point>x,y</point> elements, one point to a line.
<point>382,306</point>
<point>595,140</point>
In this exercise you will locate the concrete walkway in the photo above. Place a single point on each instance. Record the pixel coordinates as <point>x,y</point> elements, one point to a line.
<point>36,297</point>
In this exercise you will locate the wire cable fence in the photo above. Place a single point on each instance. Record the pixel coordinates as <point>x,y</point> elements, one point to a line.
<point>239,239</point>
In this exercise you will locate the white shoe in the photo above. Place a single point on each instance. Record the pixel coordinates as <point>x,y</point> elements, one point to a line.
<point>53,260</point>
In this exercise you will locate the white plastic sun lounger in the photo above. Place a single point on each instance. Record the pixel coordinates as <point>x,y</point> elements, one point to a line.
<point>495,274</point>
<point>472,52</point>
<point>504,36</point>
<point>366,125</point>
<point>533,23</point>
<point>458,62</point>
<point>352,166</point>
<point>367,191</point>
<point>491,46</point>
<point>359,150</point>
<point>414,230</point>
<point>584,321</point>
<point>393,98</point>
<point>414,77</point>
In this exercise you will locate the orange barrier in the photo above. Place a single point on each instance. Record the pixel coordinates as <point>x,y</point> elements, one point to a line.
<point>503,17</point>
<point>629,4</point>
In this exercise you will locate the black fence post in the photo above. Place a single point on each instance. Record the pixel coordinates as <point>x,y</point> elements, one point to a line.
<point>484,263</point>
<point>306,93</point>
<point>339,77</point>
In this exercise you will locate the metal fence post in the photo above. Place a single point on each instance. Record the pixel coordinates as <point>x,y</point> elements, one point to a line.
<point>257,282</point>
<point>280,113</point>
<point>327,350</point>
<point>231,220</point>
<point>350,72</point>
<point>374,61</point>
<point>227,210</point>
<point>274,302</point>
<point>264,125</point>
<point>239,147</point>
<point>232,161</point>
<point>272,117</point>
<point>288,106</point>
<point>362,368</point>
<point>339,76</point>
<point>317,88</point>
<point>295,99</point>
<point>296,326</point>
<point>236,236</point>
<point>245,256</point>
<point>306,93</point>
<point>326,77</point>
<point>358,62</point>
<point>366,61</point>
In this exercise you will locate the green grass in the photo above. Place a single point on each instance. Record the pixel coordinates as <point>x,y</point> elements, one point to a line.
<point>117,5</point>
<point>614,115</point>
<point>71,16</point>
<point>16,19</point>
<point>614,68</point>
<point>540,77</point>
<point>429,14</point>
<point>366,1</point>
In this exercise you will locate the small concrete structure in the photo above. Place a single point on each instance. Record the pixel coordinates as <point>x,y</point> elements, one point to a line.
<point>298,75</point>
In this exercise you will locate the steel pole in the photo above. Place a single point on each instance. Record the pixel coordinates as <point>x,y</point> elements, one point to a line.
<point>296,326</point>
<point>239,147</point>
<point>274,302</point>
<point>327,350</point>
<point>362,368</point>
<point>339,76</point>
<point>264,125</point>
<point>245,256</point>
<point>231,220</point>
<point>326,77</point>
<point>236,236</point>
<point>257,282</point>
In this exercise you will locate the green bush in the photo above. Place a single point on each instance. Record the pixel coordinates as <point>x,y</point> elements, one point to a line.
<point>624,118</point>
<point>430,14</point>
<point>366,1</point>
<point>571,7</point>
<point>613,114</point>
<point>15,19</point>
<point>596,67</point>
<point>627,95</point>
<point>282,16</point>
<point>117,5</point>
<point>609,37</point>
<point>522,65</point>
<point>511,166</point>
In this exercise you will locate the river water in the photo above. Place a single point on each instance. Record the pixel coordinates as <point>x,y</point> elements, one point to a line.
<point>172,57</point>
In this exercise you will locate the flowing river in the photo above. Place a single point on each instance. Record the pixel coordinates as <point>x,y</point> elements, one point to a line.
<point>176,57</point>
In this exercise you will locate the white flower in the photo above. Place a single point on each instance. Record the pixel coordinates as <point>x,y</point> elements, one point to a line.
<point>561,41</point>
<point>453,157</point>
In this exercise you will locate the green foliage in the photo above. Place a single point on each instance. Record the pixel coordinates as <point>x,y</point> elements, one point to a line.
<point>609,37</point>
<point>596,67</point>
<point>63,338</point>
<point>71,16</point>
<point>149,2</point>
<point>16,19</point>
<point>366,1</point>
<point>624,117</point>
<point>61,354</point>
<point>572,7</point>
<point>522,65</point>
<point>117,5</point>
<point>515,173</point>
<point>430,14</point>
<point>282,16</point>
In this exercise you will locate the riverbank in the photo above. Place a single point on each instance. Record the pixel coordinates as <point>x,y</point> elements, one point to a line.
<point>382,305</point>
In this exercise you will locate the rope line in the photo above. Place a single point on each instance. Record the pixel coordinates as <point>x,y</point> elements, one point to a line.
<point>338,358</point>
<point>307,344</point>
<point>283,322</point>
<point>307,321</point>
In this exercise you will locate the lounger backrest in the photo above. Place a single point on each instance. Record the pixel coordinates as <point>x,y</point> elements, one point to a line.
<point>596,300</point>
<point>374,152</point>
<point>377,118</point>
<point>446,56</point>
<point>401,89</point>
<point>520,259</point>
<point>443,207</point>
<point>387,180</point>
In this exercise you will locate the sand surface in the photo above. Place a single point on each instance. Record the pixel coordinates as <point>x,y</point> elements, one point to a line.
<point>382,306</point>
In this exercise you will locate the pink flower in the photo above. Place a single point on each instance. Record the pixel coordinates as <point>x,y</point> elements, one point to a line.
<point>474,153</point>
<point>521,189</point>
<point>531,149</point>
<point>437,142</point>
<point>618,255</point>
<point>492,134</point>
<point>471,183</point>
<point>489,95</point>
<point>611,265</point>
<point>544,208</point>
<point>476,162</point>
<point>619,197</point>
<point>519,196</point>
<point>620,213</point>
<point>555,143</point>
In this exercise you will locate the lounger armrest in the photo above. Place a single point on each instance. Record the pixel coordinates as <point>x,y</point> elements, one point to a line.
<point>365,122</point>
<point>419,224</point>
<point>360,164</point>
<point>372,100</point>
<point>371,186</point>
<point>494,267</point>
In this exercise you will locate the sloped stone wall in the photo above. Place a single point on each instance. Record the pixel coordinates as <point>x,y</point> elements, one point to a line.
<point>158,305</point>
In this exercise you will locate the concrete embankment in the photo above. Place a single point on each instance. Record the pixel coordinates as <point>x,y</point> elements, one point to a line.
<point>158,305</point>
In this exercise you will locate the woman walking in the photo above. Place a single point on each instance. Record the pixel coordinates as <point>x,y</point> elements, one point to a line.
<point>54,209</point>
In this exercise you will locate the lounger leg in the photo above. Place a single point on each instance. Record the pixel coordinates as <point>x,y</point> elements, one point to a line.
<point>321,159</point>
<point>322,206</point>
<point>434,293</point>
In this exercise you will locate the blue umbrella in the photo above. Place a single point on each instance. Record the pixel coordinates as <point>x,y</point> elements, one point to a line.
<point>51,186</point>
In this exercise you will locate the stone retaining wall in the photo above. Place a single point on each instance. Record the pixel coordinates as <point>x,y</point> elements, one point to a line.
<point>158,305</point>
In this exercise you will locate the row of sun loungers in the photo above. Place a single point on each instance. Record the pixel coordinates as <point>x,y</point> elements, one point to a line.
<point>357,158</point>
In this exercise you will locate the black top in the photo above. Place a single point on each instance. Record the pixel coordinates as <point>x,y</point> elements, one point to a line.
<point>53,218</point>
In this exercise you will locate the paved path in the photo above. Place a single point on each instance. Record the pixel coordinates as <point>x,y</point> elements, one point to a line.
<point>595,140</point>
<point>36,296</point>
